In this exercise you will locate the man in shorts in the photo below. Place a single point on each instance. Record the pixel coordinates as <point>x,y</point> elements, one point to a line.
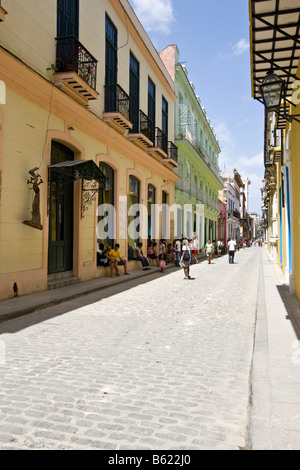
<point>116,255</point>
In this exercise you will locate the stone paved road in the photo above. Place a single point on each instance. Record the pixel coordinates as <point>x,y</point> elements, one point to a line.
<point>163,365</point>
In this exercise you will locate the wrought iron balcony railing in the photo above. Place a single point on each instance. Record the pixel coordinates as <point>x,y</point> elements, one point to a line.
<point>173,152</point>
<point>161,140</point>
<point>141,124</point>
<point>72,56</point>
<point>116,101</point>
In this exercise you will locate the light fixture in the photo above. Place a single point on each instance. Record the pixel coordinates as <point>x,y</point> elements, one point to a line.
<point>272,91</point>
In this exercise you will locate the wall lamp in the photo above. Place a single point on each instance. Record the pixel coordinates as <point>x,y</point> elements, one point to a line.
<point>273,91</point>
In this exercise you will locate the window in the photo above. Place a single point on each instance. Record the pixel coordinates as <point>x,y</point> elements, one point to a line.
<point>165,226</point>
<point>106,215</point>
<point>165,118</point>
<point>133,216</point>
<point>151,107</point>
<point>68,18</point>
<point>151,212</point>
<point>134,92</point>
<point>111,49</point>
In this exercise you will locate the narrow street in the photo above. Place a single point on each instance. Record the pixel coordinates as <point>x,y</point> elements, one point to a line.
<point>166,364</point>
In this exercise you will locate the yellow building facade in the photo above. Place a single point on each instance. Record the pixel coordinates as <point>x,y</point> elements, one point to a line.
<point>274,41</point>
<point>86,118</point>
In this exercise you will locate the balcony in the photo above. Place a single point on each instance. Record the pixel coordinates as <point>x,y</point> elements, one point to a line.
<point>141,131</point>
<point>116,108</point>
<point>172,159</point>
<point>76,70</point>
<point>184,133</point>
<point>160,149</point>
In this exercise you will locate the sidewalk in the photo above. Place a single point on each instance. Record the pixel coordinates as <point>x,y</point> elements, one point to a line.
<point>275,400</point>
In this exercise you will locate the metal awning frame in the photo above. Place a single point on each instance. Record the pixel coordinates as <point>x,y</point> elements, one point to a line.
<point>87,171</point>
<point>275,45</point>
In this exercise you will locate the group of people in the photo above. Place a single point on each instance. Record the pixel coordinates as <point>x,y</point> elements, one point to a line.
<point>182,252</point>
<point>112,258</point>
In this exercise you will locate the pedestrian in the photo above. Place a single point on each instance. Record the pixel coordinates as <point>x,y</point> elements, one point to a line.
<point>195,248</point>
<point>209,250</point>
<point>140,257</point>
<point>177,252</point>
<point>231,250</point>
<point>162,255</point>
<point>186,259</point>
<point>152,253</point>
<point>219,248</point>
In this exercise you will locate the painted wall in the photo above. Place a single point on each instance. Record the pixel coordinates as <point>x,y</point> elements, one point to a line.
<point>36,112</point>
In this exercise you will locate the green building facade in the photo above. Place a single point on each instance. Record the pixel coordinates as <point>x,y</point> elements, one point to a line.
<point>198,157</point>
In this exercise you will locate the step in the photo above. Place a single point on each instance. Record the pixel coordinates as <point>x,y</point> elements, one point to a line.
<point>63,282</point>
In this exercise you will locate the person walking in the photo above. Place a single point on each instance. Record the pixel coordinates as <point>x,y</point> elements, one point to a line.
<point>186,259</point>
<point>195,249</point>
<point>209,250</point>
<point>177,252</point>
<point>162,255</point>
<point>231,250</point>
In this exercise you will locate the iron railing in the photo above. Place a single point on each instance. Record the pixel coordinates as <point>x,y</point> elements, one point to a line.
<point>116,101</point>
<point>161,140</point>
<point>173,152</point>
<point>141,123</point>
<point>71,55</point>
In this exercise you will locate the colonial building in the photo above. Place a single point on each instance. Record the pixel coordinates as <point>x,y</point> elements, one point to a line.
<point>231,196</point>
<point>86,133</point>
<point>198,157</point>
<point>275,53</point>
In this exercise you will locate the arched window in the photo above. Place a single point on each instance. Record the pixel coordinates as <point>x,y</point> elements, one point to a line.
<point>165,221</point>
<point>151,211</point>
<point>106,214</point>
<point>133,216</point>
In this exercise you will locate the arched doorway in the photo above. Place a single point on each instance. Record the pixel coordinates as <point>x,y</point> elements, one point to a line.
<point>61,213</point>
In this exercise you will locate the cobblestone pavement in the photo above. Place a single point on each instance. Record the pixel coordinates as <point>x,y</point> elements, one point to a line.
<point>162,365</point>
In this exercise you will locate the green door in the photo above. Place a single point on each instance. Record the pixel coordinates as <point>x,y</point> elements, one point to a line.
<point>61,202</point>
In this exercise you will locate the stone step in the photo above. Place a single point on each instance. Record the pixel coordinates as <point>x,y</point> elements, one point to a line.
<point>62,275</point>
<point>63,282</point>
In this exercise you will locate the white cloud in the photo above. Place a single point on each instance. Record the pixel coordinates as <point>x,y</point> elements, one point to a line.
<point>237,49</point>
<point>256,161</point>
<point>155,15</point>
<point>240,47</point>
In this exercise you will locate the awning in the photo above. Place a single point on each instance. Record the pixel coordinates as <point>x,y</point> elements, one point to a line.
<point>275,42</point>
<point>78,169</point>
<point>86,170</point>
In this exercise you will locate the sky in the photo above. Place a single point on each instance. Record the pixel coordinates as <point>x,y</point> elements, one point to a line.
<point>213,42</point>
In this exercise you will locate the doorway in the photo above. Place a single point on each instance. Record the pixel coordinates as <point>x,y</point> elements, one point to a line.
<point>61,213</point>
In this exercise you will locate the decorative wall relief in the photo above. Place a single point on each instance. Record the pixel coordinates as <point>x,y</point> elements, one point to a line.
<point>35,180</point>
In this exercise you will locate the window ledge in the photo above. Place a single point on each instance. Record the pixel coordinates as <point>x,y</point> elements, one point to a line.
<point>2,14</point>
